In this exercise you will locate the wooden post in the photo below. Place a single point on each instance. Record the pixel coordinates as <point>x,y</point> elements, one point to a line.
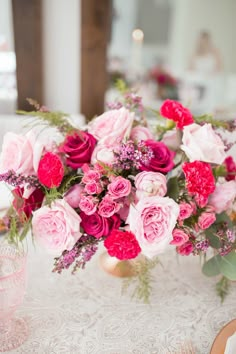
<point>95,34</point>
<point>27,22</point>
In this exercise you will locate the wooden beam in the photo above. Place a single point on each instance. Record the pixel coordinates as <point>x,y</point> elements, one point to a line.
<point>95,34</point>
<point>27,22</point>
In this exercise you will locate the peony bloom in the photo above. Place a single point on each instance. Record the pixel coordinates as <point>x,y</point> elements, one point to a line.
<point>200,181</point>
<point>231,168</point>
<point>78,149</point>
<point>73,196</point>
<point>179,237</point>
<point>122,245</point>
<point>104,154</point>
<point>162,160</point>
<point>205,220</point>
<point>50,170</point>
<point>25,206</point>
<point>150,184</point>
<point>56,228</point>
<point>112,127</point>
<point>203,144</point>
<point>223,196</point>
<point>152,220</point>
<point>139,133</point>
<point>119,187</point>
<point>98,226</point>
<point>177,112</point>
<point>17,153</point>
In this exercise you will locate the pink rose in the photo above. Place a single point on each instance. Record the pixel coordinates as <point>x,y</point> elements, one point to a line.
<point>97,226</point>
<point>179,237</point>
<point>108,207</point>
<point>152,220</point>
<point>150,184</point>
<point>73,196</point>
<point>186,249</point>
<point>56,228</point>
<point>112,127</point>
<point>119,187</point>
<point>17,153</point>
<point>203,144</point>
<point>88,204</point>
<point>185,210</point>
<point>93,188</point>
<point>103,154</point>
<point>172,139</point>
<point>205,220</point>
<point>223,196</point>
<point>139,133</point>
<point>90,176</point>
<point>162,160</point>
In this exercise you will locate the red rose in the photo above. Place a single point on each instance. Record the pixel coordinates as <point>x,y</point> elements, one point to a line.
<point>97,226</point>
<point>122,245</point>
<point>25,206</point>
<point>50,170</point>
<point>177,112</point>
<point>200,181</point>
<point>231,168</point>
<point>78,149</point>
<point>162,160</point>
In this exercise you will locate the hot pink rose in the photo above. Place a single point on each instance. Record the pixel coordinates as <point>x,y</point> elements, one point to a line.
<point>186,249</point>
<point>223,196</point>
<point>119,187</point>
<point>56,228</point>
<point>91,176</point>
<point>112,127</point>
<point>73,196</point>
<point>139,133</point>
<point>185,210</point>
<point>162,160</point>
<point>152,220</point>
<point>88,204</point>
<point>17,153</point>
<point>205,220</point>
<point>203,144</point>
<point>104,154</point>
<point>179,237</point>
<point>93,188</point>
<point>150,184</point>
<point>97,226</point>
<point>108,207</point>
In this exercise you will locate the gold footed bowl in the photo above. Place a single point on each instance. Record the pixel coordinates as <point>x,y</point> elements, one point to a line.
<point>115,267</point>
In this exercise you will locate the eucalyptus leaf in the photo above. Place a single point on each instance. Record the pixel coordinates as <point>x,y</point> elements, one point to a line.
<point>227,265</point>
<point>212,238</point>
<point>173,188</point>
<point>211,267</point>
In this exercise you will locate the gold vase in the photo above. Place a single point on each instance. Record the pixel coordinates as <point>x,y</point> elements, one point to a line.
<point>115,267</point>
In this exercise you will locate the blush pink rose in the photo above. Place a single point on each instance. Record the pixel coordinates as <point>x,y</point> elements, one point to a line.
<point>56,228</point>
<point>172,139</point>
<point>104,154</point>
<point>139,133</point>
<point>90,176</point>
<point>205,220</point>
<point>186,249</point>
<point>119,187</point>
<point>112,127</point>
<point>93,188</point>
<point>88,204</point>
<point>185,210</point>
<point>152,220</point>
<point>17,153</point>
<point>150,184</point>
<point>73,196</point>
<point>223,197</point>
<point>108,207</point>
<point>203,144</point>
<point>179,237</point>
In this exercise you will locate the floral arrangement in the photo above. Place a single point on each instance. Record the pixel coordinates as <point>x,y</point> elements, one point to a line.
<point>167,84</point>
<point>119,184</point>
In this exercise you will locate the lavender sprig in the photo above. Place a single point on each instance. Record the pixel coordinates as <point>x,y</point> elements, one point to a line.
<point>15,179</point>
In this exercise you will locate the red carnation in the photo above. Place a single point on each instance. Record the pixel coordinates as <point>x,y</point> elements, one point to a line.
<point>122,245</point>
<point>231,168</point>
<point>50,170</point>
<point>177,112</point>
<point>200,181</point>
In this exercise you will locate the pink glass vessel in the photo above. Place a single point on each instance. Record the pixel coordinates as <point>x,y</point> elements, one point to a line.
<point>13,330</point>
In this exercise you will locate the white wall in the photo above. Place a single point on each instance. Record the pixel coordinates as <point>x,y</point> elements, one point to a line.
<point>61,48</point>
<point>6,26</point>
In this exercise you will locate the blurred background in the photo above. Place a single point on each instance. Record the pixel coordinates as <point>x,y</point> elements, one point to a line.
<point>69,54</point>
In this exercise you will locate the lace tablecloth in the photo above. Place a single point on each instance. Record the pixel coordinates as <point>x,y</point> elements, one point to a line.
<point>86,313</point>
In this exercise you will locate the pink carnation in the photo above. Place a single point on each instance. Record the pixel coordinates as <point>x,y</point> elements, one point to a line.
<point>205,220</point>
<point>119,187</point>
<point>179,237</point>
<point>177,112</point>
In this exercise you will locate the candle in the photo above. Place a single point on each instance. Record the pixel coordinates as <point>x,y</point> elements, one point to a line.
<point>136,52</point>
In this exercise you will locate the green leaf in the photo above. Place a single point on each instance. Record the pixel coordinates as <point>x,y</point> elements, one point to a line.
<point>223,217</point>
<point>222,288</point>
<point>212,238</point>
<point>227,265</point>
<point>173,188</point>
<point>211,267</point>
